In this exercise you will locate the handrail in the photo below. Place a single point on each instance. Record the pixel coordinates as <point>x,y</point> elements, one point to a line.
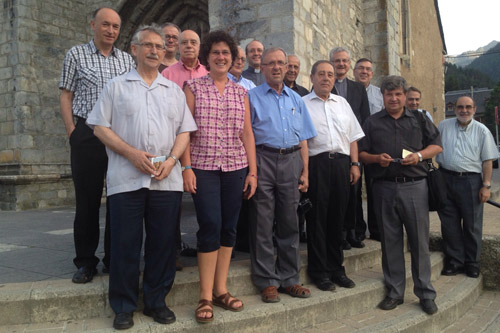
<point>493,203</point>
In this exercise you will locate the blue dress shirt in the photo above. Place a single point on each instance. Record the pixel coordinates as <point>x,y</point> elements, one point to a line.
<point>245,83</point>
<point>279,121</point>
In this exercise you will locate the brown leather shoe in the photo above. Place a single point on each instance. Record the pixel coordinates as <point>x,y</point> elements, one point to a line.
<point>297,291</point>
<point>270,295</point>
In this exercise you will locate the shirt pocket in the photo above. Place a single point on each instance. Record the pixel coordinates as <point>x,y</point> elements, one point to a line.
<point>296,122</point>
<point>90,78</point>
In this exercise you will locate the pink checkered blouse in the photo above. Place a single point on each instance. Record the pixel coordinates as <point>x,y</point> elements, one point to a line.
<point>217,143</point>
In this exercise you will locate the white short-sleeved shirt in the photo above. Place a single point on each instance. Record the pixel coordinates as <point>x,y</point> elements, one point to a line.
<point>465,149</point>
<point>148,118</point>
<point>375,99</point>
<point>335,123</point>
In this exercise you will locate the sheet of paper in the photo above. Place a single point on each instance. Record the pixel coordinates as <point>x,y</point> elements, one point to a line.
<point>406,153</point>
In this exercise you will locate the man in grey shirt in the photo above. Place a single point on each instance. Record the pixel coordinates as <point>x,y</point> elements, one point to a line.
<point>466,163</point>
<point>131,119</point>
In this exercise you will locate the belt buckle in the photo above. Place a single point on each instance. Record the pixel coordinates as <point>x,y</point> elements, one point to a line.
<point>461,174</point>
<point>282,151</point>
<point>400,179</point>
<point>331,155</point>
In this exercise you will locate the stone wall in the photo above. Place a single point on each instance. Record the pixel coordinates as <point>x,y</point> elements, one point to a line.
<point>423,67</point>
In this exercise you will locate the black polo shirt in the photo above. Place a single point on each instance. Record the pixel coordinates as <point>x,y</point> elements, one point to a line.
<point>412,131</point>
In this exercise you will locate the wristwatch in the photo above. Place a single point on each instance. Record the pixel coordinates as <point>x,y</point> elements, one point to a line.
<point>487,186</point>
<point>173,157</point>
<point>420,158</point>
<point>355,164</point>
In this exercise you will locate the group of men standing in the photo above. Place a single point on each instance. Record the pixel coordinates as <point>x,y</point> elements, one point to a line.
<point>314,145</point>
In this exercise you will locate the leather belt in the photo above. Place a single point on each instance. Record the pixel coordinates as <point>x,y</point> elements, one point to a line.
<point>460,174</point>
<point>281,151</point>
<point>403,179</point>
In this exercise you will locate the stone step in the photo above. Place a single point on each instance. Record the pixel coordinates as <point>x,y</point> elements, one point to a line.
<point>291,314</point>
<point>59,300</point>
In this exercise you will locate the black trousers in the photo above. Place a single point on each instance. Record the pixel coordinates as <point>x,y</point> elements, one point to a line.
<point>329,194</point>
<point>354,215</point>
<point>372,219</point>
<point>89,163</point>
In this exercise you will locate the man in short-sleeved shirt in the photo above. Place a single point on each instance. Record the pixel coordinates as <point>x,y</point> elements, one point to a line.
<point>87,68</point>
<point>131,119</point>
<point>396,143</point>
<point>281,126</point>
<point>467,164</point>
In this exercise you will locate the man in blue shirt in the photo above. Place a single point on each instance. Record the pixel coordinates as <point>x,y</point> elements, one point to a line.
<point>281,125</point>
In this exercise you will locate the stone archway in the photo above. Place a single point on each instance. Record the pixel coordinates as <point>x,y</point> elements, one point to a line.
<point>187,14</point>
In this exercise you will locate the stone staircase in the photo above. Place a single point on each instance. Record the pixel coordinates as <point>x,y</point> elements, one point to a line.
<point>61,306</point>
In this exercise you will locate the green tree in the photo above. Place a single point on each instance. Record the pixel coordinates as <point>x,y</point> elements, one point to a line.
<point>458,78</point>
<point>489,114</point>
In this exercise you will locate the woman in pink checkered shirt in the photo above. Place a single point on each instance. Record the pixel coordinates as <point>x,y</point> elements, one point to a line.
<point>219,168</point>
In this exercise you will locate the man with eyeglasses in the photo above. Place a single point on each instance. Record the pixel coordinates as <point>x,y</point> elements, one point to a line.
<point>467,164</point>
<point>86,69</point>
<point>281,125</point>
<point>292,71</point>
<point>131,119</point>
<point>235,71</point>
<point>355,94</point>
<point>253,52</point>
<point>363,73</point>
<point>188,67</point>
<point>172,32</point>
<point>413,101</point>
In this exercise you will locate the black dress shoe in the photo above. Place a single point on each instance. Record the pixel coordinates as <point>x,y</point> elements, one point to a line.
<point>356,243</point>
<point>389,303</point>
<point>123,321</point>
<point>451,270</point>
<point>325,284</point>
<point>343,281</point>
<point>303,237</point>
<point>160,315</point>
<point>361,237</point>
<point>346,245</point>
<point>429,306</point>
<point>84,274</point>
<point>105,270</point>
<point>472,271</point>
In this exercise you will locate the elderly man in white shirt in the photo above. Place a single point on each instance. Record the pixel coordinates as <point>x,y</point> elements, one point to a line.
<point>133,122</point>
<point>333,167</point>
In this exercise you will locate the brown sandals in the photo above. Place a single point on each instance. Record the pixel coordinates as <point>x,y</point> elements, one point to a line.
<point>204,305</point>
<point>223,302</point>
<point>270,295</point>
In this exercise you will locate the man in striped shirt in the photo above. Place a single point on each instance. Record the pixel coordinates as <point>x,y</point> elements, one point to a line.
<point>467,165</point>
<point>86,69</point>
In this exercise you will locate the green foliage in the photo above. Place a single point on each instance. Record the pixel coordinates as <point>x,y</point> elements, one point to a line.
<point>458,78</point>
<point>488,63</point>
<point>489,115</point>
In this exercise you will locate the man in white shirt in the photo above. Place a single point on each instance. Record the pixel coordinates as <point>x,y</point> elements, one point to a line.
<point>334,166</point>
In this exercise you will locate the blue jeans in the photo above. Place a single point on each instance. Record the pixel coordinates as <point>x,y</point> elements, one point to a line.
<point>218,202</point>
<point>128,210</point>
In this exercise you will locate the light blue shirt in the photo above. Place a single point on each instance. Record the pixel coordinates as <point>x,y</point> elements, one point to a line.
<point>375,99</point>
<point>279,121</point>
<point>148,118</point>
<point>465,149</point>
<point>245,83</point>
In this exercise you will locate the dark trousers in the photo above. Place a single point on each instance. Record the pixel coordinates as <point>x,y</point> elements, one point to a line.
<point>354,212</point>
<point>128,210</point>
<point>329,195</point>
<point>372,219</point>
<point>89,163</point>
<point>462,220</point>
<point>217,201</point>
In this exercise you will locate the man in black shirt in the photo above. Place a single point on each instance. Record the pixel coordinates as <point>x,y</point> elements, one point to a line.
<point>397,142</point>
<point>292,71</point>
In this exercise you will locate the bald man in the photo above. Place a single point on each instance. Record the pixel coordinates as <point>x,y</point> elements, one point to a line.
<point>254,51</point>
<point>188,67</point>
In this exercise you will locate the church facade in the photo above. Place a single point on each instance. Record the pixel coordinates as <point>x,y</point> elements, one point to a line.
<point>402,37</point>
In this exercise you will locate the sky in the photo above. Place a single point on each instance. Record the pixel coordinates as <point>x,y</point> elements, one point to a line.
<point>468,24</point>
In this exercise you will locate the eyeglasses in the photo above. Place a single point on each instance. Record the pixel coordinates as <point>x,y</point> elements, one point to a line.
<point>464,107</point>
<point>174,37</point>
<point>150,46</point>
<point>225,53</point>
<point>242,59</point>
<point>338,61</point>
<point>274,63</point>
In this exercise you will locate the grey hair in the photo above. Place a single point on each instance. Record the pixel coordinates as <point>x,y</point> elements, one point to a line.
<point>393,82</point>
<point>154,28</point>
<point>339,49</point>
<point>273,49</point>
<point>170,24</point>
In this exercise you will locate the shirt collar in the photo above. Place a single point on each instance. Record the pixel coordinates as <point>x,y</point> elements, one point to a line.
<point>198,64</point>
<point>332,97</point>
<point>94,48</point>
<point>466,128</point>
<point>133,75</point>
<point>233,78</point>
<point>285,89</point>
